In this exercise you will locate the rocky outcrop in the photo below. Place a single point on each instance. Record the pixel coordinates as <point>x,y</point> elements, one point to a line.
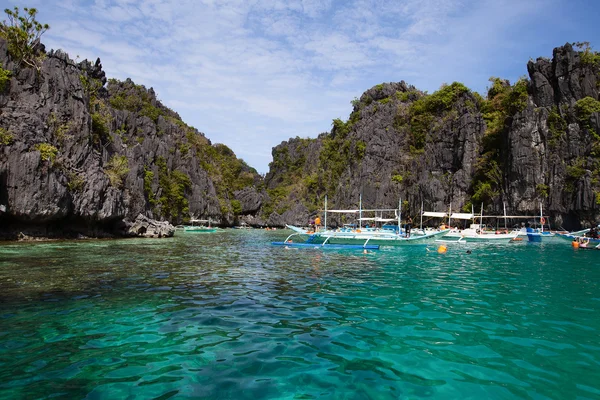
<point>438,150</point>
<point>149,228</point>
<point>87,155</point>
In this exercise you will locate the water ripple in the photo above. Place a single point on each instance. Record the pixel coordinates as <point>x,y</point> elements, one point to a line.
<point>226,316</point>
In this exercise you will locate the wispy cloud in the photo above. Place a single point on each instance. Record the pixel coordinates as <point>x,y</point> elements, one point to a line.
<point>251,73</point>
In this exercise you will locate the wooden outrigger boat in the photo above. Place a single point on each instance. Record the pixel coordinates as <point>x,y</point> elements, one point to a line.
<point>202,228</point>
<point>393,235</point>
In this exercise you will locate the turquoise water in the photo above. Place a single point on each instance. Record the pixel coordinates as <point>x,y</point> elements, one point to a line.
<point>228,316</point>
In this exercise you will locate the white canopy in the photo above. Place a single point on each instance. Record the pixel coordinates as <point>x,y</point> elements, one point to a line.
<point>434,214</point>
<point>461,216</point>
<point>343,211</point>
<point>367,219</point>
<point>386,219</point>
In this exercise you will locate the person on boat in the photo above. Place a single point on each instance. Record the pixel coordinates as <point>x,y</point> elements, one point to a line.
<point>317,223</point>
<point>584,242</point>
<point>408,226</point>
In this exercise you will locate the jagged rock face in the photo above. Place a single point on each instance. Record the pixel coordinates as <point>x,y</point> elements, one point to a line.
<point>548,150</point>
<point>62,138</point>
<point>538,157</point>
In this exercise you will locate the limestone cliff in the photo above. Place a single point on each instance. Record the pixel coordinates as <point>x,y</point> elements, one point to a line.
<point>79,156</point>
<point>531,143</point>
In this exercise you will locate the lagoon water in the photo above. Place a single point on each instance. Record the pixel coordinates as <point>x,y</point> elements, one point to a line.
<point>227,316</point>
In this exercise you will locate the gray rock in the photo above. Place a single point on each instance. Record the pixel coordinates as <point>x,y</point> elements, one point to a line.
<point>149,228</point>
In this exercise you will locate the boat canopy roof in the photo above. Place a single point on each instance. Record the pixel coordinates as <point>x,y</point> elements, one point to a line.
<point>514,216</point>
<point>199,220</point>
<point>435,214</point>
<point>461,216</point>
<point>364,210</point>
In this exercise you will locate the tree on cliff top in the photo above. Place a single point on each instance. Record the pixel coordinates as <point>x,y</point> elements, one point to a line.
<point>22,33</point>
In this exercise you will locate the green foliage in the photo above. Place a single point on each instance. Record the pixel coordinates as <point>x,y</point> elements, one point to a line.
<point>224,206</point>
<point>22,33</point>
<point>577,170</point>
<point>422,112</point>
<point>6,138</point>
<point>385,101</point>
<point>117,169</point>
<point>47,151</point>
<point>60,131</point>
<point>355,102</point>
<point>4,79</point>
<point>397,178</point>
<point>173,185</point>
<point>148,179</point>
<point>557,127</point>
<point>135,98</point>
<point>75,182</point>
<point>236,207</point>
<point>542,190</point>
<point>484,193</point>
<point>502,103</point>
<point>379,86</point>
<point>584,108</point>
<point>361,148</point>
<point>90,85</point>
<point>516,99</point>
<point>276,198</point>
<point>341,128</point>
<point>587,55</point>
<point>100,127</point>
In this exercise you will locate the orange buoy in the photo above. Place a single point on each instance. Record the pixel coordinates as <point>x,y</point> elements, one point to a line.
<point>575,244</point>
<point>442,249</point>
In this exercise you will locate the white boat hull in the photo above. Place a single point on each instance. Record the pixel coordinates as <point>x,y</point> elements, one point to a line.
<point>376,238</point>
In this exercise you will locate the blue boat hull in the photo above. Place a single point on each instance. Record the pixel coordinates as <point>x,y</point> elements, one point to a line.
<point>327,246</point>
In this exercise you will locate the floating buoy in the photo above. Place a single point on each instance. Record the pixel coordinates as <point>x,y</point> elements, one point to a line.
<point>575,244</point>
<point>365,251</point>
<point>442,249</point>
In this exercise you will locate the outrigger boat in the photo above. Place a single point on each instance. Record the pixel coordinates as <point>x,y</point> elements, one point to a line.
<point>389,235</point>
<point>477,232</point>
<point>578,236</point>
<point>199,228</point>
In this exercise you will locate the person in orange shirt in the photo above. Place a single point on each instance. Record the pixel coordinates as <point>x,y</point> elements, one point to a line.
<point>317,223</point>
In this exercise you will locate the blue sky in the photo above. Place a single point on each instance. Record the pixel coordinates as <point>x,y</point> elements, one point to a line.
<point>251,74</point>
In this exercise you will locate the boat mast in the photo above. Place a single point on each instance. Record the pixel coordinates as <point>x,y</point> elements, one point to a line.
<point>481,217</point>
<point>504,205</point>
<point>360,211</point>
<point>541,216</point>
<point>325,217</point>
<point>421,225</point>
<point>449,215</point>
<point>399,215</point>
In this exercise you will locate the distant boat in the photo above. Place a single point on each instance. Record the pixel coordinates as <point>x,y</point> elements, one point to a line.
<point>199,226</point>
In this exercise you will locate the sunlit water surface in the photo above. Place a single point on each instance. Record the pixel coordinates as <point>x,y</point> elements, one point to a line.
<point>226,315</point>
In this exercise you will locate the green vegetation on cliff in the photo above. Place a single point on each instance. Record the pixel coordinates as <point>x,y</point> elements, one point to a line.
<point>22,33</point>
<point>503,102</point>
